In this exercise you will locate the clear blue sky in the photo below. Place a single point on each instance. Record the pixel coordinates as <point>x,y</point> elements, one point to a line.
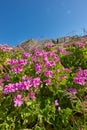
<point>25,19</point>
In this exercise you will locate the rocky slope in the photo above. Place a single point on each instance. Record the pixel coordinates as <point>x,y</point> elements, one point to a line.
<point>31,44</point>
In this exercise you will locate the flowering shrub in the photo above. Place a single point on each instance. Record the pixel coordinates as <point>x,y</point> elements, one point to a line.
<point>45,90</point>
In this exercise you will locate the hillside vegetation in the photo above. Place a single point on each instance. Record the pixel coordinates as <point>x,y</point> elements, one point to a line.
<point>45,89</point>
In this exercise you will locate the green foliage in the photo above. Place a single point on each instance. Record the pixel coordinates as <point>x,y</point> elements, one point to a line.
<point>54,106</point>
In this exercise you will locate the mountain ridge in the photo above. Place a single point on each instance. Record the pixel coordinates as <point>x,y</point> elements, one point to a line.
<point>31,44</point>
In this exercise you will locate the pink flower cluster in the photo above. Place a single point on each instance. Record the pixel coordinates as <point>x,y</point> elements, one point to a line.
<point>26,55</point>
<point>44,56</point>
<point>80,44</point>
<point>50,64</point>
<point>38,68</point>
<point>47,82</point>
<point>5,48</point>
<point>48,73</point>
<point>44,63</point>
<point>12,62</point>
<point>18,100</point>
<point>44,60</point>
<point>17,69</point>
<point>68,44</point>
<point>17,65</point>
<point>16,62</point>
<point>62,50</point>
<point>52,55</point>
<point>81,76</point>
<point>49,45</point>
<point>72,91</point>
<point>23,85</point>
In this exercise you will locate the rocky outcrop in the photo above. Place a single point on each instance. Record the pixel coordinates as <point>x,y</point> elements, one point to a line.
<point>65,39</point>
<point>31,44</point>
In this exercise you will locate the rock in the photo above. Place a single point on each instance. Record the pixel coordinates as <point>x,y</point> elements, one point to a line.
<point>66,39</point>
<point>55,41</point>
<point>60,40</point>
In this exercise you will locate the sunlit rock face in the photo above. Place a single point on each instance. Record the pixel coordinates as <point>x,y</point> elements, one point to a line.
<point>31,44</point>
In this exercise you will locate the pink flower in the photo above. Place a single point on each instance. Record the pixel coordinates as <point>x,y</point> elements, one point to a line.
<point>17,100</point>
<point>22,62</point>
<point>57,70</point>
<point>62,50</point>
<point>34,58</point>
<point>79,80</point>
<point>85,73</point>
<point>51,54</point>
<point>32,95</point>
<point>45,58</point>
<point>63,77</point>
<point>25,85</point>
<point>38,68</point>
<point>49,45</point>
<point>25,55</point>
<point>17,69</point>
<point>80,44</point>
<point>30,82</point>
<point>37,53</point>
<point>81,77</point>
<point>19,86</point>
<point>5,78</point>
<point>59,108</point>
<point>56,103</point>
<point>79,72</point>
<point>36,82</point>
<point>5,48</point>
<point>72,90</point>
<point>25,77</point>
<point>47,82</point>
<point>50,63</point>
<point>9,88</point>
<point>48,73</point>
<point>12,62</point>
